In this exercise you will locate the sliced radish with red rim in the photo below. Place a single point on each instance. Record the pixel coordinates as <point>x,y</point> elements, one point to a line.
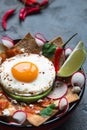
<point>78,79</point>
<point>68,51</point>
<point>63,102</point>
<point>7,41</point>
<point>63,106</point>
<point>14,123</point>
<point>40,39</point>
<point>20,116</point>
<point>59,90</point>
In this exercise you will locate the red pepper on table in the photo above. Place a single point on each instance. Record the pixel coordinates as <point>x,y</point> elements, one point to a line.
<point>28,11</point>
<point>33,10</point>
<point>44,3</point>
<point>21,14</point>
<point>6,16</point>
<point>36,8</point>
<point>57,57</point>
<point>28,2</point>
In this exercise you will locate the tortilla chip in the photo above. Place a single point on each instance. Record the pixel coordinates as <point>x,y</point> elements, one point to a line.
<point>28,45</point>
<point>72,97</point>
<point>58,41</point>
<point>37,120</point>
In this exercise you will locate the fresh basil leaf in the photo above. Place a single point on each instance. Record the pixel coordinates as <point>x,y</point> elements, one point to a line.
<point>47,111</point>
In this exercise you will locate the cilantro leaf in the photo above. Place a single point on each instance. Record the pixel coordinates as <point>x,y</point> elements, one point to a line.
<point>48,50</point>
<point>47,111</point>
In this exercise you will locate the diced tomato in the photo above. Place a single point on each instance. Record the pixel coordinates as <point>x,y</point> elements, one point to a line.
<point>3,104</point>
<point>33,109</point>
<point>12,52</point>
<point>46,102</point>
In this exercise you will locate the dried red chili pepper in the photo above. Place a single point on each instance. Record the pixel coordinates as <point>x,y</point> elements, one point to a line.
<point>28,2</point>
<point>6,16</point>
<point>44,3</point>
<point>29,11</point>
<point>21,13</point>
<point>58,54</point>
<point>32,8</point>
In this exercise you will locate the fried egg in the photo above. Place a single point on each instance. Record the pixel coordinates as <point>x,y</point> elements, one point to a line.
<point>27,74</point>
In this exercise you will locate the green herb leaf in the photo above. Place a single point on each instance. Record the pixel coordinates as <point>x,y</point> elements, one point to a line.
<point>47,111</point>
<point>48,50</point>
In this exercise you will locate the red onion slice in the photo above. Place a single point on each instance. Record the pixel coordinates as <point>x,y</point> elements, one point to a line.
<point>59,90</point>
<point>7,41</point>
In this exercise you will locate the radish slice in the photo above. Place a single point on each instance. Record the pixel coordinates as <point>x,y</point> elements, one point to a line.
<point>39,42</point>
<point>63,103</point>
<point>59,90</point>
<point>20,116</point>
<point>63,106</point>
<point>14,123</point>
<point>40,39</point>
<point>68,51</point>
<point>7,41</point>
<point>78,79</point>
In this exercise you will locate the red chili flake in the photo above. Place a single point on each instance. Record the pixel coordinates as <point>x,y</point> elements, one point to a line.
<point>6,16</point>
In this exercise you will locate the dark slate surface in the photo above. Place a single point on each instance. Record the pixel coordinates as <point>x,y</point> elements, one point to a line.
<point>62,17</point>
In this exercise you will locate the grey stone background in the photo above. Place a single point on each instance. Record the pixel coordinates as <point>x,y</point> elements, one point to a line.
<point>62,17</point>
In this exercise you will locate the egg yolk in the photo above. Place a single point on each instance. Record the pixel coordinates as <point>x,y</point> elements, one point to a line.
<point>25,71</point>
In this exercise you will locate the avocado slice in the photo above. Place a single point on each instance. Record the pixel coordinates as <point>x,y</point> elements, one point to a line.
<point>26,98</point>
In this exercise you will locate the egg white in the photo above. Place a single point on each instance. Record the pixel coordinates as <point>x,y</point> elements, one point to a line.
<point>43,82</point>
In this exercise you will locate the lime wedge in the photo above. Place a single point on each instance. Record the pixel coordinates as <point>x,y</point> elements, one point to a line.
<point>74,61</point>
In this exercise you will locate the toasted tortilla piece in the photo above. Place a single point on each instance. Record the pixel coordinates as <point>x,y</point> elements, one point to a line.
<point>28,45</point>
<point>58,41</point>
<point>37,120</point>
<point>72,97</point>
